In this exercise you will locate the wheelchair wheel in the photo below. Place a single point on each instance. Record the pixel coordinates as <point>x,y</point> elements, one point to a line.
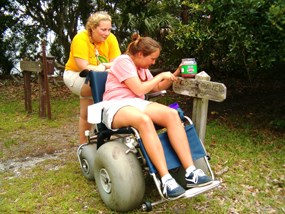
<point>87,157</point>
<point>146,206</point>
<point>119,177</point>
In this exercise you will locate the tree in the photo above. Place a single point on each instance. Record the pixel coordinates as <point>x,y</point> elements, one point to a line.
<point>148,18</point>
<point>233,37</point>
<point>6,20</point>
<point>34,21</point>
<point>225,36</point>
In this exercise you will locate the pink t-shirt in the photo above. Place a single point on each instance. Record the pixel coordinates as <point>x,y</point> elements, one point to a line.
<point>122,69</point>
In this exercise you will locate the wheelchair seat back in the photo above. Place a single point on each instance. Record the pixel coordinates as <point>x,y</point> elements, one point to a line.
<point>97,83</point>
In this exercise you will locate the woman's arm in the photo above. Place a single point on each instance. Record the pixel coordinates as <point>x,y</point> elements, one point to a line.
<point>84,64</point>
<point>158,83</point>
<point>166,83</point>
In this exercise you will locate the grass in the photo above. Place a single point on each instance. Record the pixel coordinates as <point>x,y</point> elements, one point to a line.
<point>249,162</point>
<point>255,180</point>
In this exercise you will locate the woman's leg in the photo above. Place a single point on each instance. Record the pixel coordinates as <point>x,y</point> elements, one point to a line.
<point>83,124</point>
<point>85,101</point>
<point>167,117</point>
<point>131,116</point>
<point>76,84</point>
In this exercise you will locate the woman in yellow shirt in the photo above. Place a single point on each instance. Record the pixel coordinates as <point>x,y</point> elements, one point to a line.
<point>93,49</point>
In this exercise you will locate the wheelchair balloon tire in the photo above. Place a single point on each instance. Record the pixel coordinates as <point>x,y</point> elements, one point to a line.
<point>87,158</point>
<point>119,177</point>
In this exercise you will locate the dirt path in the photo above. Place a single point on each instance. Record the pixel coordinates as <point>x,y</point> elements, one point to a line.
<point>41,145</point>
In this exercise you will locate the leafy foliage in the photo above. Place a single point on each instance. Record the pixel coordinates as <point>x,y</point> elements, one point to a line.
<point>232,36</point>
<point>227,37</point>
<point>6,20</point>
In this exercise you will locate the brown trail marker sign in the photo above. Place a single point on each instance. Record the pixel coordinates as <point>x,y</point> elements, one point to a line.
<point>202,90</point>
<point>42,69</point>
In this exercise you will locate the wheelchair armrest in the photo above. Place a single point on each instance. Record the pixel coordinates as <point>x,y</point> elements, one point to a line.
<point>84,73</point>
<point>105,134</point>
<point>155,94</point>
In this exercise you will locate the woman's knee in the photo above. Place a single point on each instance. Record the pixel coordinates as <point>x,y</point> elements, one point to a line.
<point>145,121</point>
<point>172,115</point>
<point>86,91</point>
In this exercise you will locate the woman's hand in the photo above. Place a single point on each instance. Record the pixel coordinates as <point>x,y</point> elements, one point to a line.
<point>168,76</point>
<point>99,67</point>
<point>107,65</point>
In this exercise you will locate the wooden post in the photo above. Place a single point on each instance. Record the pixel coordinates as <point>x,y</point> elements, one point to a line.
<point>41,69</point>
<point>29,67</point>
<point>46,97</point>
<point>27,91</point>
<point>42,98</point>
<point>200,110</point>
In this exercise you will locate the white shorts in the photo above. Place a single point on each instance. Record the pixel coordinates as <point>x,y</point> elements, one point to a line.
<point>73,81</point>
<point>112,106</point>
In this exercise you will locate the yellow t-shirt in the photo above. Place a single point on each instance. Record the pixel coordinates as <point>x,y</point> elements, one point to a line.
<point>81,47</point>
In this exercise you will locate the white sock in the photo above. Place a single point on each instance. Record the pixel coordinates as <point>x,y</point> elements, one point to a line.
<point>165,178</point>
<point>189,170</point>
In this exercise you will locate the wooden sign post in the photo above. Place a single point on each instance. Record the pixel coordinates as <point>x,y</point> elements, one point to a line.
<point>203,90</point>
<point>42,69</point>
<point>29,67</point>
<point>45,97</point>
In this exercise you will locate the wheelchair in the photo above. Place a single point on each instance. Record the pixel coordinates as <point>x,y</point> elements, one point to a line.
<point>117,160</point>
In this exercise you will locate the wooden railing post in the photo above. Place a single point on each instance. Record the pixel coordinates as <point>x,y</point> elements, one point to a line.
<point>27,91</point>
<point>29,67</point>
<point>45,97</point>
<point>202,90</point>
<point>200,109</point>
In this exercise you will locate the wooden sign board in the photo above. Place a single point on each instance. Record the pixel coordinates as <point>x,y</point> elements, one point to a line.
<point>200,88</point>
<point>31,66</point>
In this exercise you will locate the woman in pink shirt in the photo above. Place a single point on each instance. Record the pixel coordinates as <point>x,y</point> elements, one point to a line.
<point>127,84</point>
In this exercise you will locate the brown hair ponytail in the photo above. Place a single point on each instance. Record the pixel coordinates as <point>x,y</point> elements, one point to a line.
<point>146,45</point>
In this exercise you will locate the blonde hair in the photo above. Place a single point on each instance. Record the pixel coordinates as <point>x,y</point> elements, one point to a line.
<point>95,18</point>
<point>146,45</point>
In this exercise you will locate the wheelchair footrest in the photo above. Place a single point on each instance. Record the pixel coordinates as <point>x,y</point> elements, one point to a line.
<point>198,190</point>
